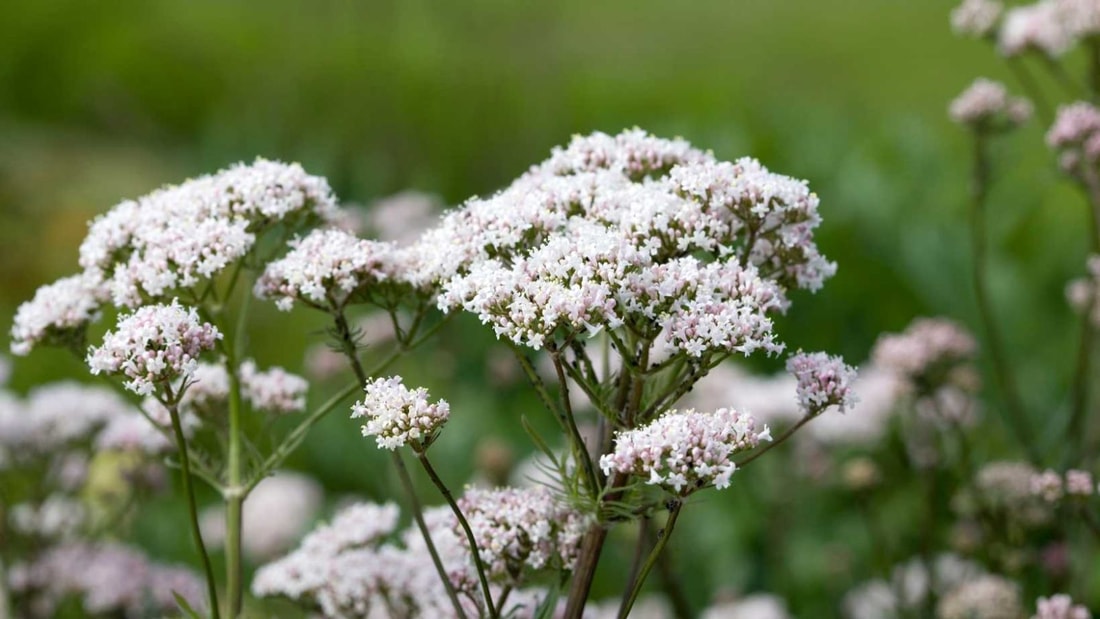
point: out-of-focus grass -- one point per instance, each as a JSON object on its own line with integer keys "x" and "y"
{"x": 101, "y": 101}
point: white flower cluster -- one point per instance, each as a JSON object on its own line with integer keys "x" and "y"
{"x": 1075, "y": 135}
{"x": 1052, "y": 486}
{"x": 123, "y": 583}
{"x": 312, "y": 570}
{"x": 56, "y": 417}
{"x": 181, "y": 235}
{"x": 926, "y": 344}
{"x": 404, "y": 216}
{"x": 397, "y": 415}
{"x": 1008, "y": 489}
{"x": 1084, "y": 293}
{"x": 57, "y": 517}
{"x": 325, "y": 269}
{"x": 976, "y": 18}
{"x": 153, "y": 346}
{"x": 1039, "y": 27}
{"x": 685, "y": 451}
{"x": 273, "y": 390}
{"x": 823, "y": 381}
{"x": 773, "y": 400}
{"x": 986, "y": 597}
{"x": 911, "y": 587}
{"x": 1049, "y": 27}
{"x": 986, "y": 104}
{"x": 522, "y": 529}
{"x": 357, "y": 567}
{"x": 135, "y": 433}
{"x": 58, "y": 313}
{"x": 630, "y": 229}
{"x": 145, "y": 250}
{"x": 1060, "y": 606}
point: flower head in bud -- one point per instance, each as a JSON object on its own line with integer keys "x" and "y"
{"x": 685, "y": 451}
{"x": 397, "y": 415}
{"x": 1079, "y": 483}
{"x": 153, "y": 346}
{"x": 1075, "y": 135}
{"x": 985, "y": 104}
{"x": 823, "y": 381}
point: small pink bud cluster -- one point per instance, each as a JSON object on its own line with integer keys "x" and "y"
{"x": 273, "y": 390}
{"x": 58, "y": 313}
{"x": 1047, "y": 485}
{"x": 1084, "y": 294}
{"x": 324, "y": 269}
{"x": 1060, "y": 606}
{"x": 985, "y": 104}
{"x": 823, "y": 381}
{"x": 1075, "y": 136}
{"x": 685, "y": 451}
{"x": 153, "y": 346}
{"x": 976, "y": 18}
{"x": 522, "y": 529}
{"x": 397, "y": 415}
{"x": 1051, "y": 486}
{"x": 925, "y": 344}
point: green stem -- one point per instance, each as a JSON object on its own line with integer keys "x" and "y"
{"x": 1027, "y": 82}
{"x": 1016, "y": 418}
{"x": 580, "y": 450}
{"x": 343, "y": 331}
{"x": 1076, "y": 431}
{"x": 446, "y": 492}
{"x": 5, "y": 598}
{"x": 662, "y": 539}
{"x": 779, "y": 441}
{"x": 298, "y": 434}
{"x": 235, "y": 494}
{"x": 636, "y": 561}
{"x": 192, "y": 508}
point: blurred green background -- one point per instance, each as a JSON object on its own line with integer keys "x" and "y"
{"x": 105, "y": 101}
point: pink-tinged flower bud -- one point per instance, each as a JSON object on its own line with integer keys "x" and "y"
{"x": 986, "y": 103}
{"x": 823, "y": 381}
{"x": 1060, "y": 606}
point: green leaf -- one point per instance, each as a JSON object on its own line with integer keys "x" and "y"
{"x": 185, "y": 606}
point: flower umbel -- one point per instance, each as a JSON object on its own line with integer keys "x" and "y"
{"x": 823, "y": 381}
{"x": 153, "y": 346}
{"x": 397, "y": 415}
{"x": 685, "y": 451}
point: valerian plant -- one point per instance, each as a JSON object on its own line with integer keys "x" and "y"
{"x": 635, "y": 264}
